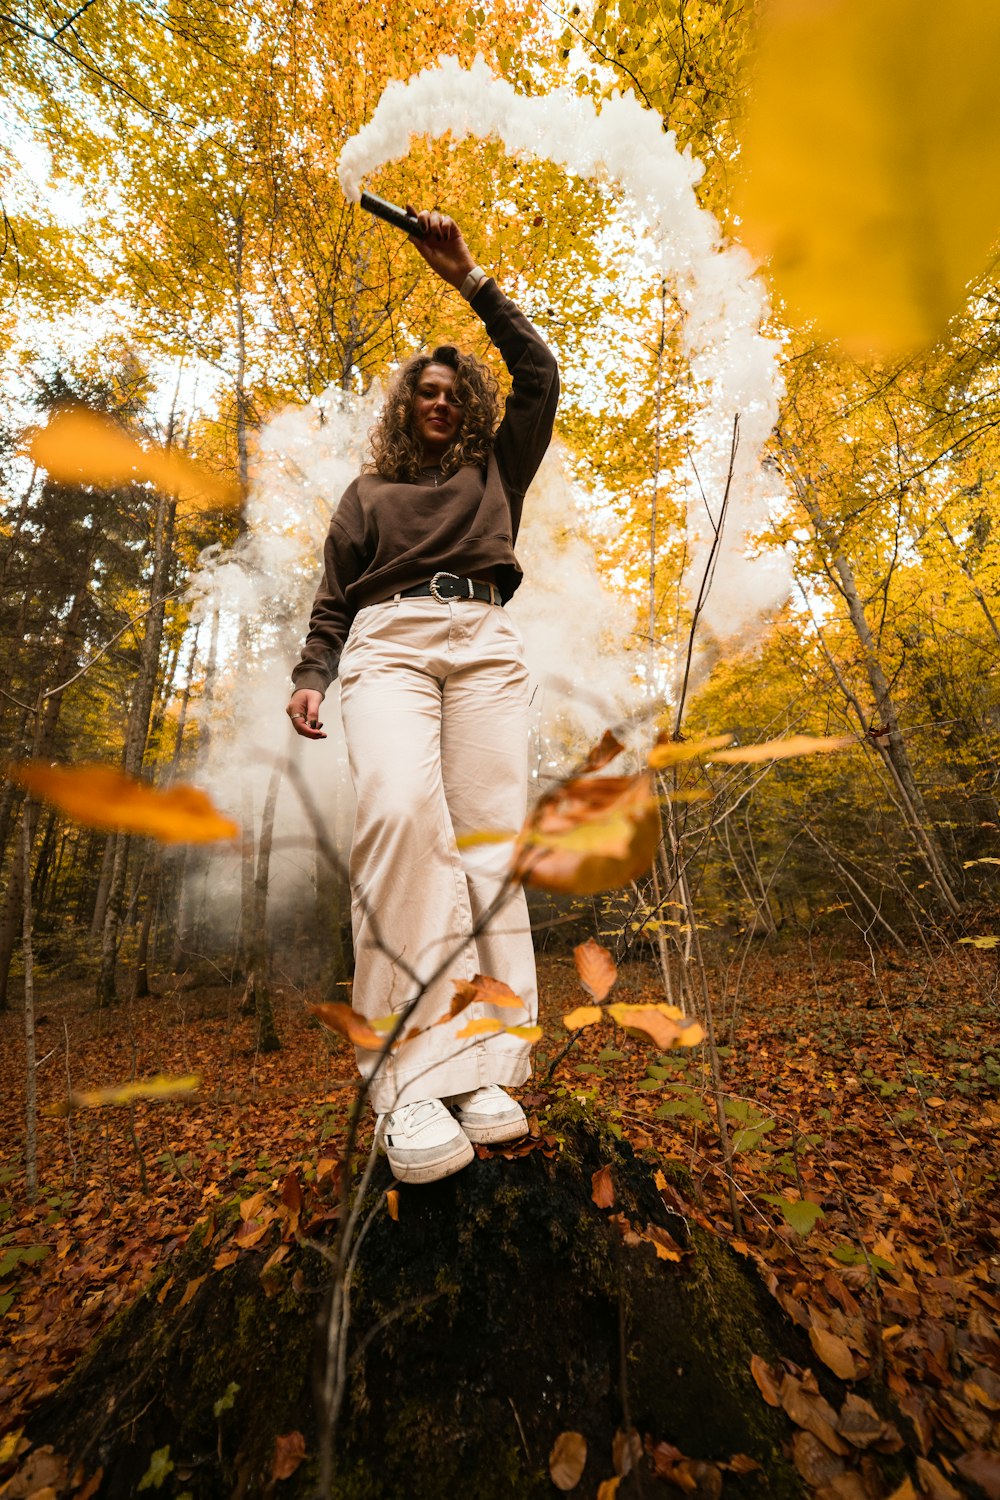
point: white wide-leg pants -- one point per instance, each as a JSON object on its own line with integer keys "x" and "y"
{"x": 434, "y": 699}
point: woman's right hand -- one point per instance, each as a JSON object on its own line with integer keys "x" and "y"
{"x": 303, "y": 710}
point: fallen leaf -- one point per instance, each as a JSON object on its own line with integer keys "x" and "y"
{"x": 602, "y": 1188}
{"x": 225, "y": 1258}
{"x": 568, "y": 1460}
{"x": 765, "y": 1381}
{"x": 392, "y": 1204}
{"x": 812, "y": 1412}
{"x": 933, "y": 1482}
{"x": 608, "y": 1489}
{"x": 626, "y": 1451}
{"x": 191, "y": 1290}
{"x": 289, "y": 1451}
{"x": 42, "y": 1468}
{"x": 596, "y": 969}
{"x": 813, "y": 1459}
{"x": 834, "y": 1353}
{"x": 861, "y": 1424}
{"x": 983, "y": 1468}
{"x": 104, "y": 797}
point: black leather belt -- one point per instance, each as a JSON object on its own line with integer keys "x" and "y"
{"x": 444, "y": 586}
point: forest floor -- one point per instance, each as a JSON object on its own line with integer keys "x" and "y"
{"x": 865, "y": 1086}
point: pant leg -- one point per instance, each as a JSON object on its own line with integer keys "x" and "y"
{"x": 484, "y": 760}
{"x": 410, "y": 890}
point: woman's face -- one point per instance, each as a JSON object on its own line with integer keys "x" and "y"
{"x": 437, "y": 412}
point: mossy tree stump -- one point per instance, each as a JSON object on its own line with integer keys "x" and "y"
{"x": 501, "y": 1309}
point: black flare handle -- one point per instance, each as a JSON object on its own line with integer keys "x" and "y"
{"x": 398, "y": 217}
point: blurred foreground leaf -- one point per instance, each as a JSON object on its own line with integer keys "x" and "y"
{"x": 104, "y": 797}
{"x": 80, "y": 446}
{"x": 163, "y": 1086}
{"x": 869, "y": 151}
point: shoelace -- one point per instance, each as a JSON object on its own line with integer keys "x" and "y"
{"x": 418, "y": 1115}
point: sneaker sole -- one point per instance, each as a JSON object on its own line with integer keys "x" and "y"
{"x": 433, "y": 1171}
{"x": 496, "y": 1131}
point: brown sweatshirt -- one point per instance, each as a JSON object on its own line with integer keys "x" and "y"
{"x": 387, "y": 535}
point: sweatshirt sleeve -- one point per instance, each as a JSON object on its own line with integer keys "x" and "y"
{"x": 343, "y": 562}
{"x": 526, "y": 429}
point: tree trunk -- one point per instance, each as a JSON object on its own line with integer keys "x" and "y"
{"x": 891, "y": 746}
{"x": 135, "y": 740}
{"x": 257, "y": 996}
{"x": 501, "y": 1310}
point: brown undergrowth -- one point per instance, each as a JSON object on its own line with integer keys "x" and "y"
{"x": 865, "y": 1088}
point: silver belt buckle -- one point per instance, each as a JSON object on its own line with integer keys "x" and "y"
{"x": 442, "y": 598}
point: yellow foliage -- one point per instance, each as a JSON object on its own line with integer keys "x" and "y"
{"x": 873, "y": 130}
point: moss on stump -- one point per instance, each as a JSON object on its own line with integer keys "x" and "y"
{"x": 502, "y": 1309}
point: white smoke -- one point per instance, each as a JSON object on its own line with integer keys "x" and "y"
{"x": 575, "y": 631}
{"x": 733, "y": 365}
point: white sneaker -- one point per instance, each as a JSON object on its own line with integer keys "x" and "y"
{"x": 488, "y": 1114}
{"x": 423, "y": 1141}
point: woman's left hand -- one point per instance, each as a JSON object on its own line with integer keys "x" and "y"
{"x": 442, "y": 246}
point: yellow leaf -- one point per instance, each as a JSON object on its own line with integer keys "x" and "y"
{"x": 530, "y": 1034}
{"x": 568, "y": 1460}
{"x": 667, "y": 752}
{"x": 79, "y": 446}
{"x": 484, "y": 836}
{"x": 103, "y": 797}
{"x": 871, "y": 132}
{"x": 392, "y": 1204}
{"x": 797, "y": 744}
{"x": 608, "y": 1488}
{"x": 162, "y": 1086}
{"x": 596, "y": 969}
{"x": 988, "y": 941}
{"x": 336, "y": 1016}
{"x": 9, "y": 1445}
{"x": 584, "y": 1015}
{"x": 481, "y": 1026}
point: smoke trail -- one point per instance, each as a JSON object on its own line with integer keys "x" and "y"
{"x": 734, "y": 366}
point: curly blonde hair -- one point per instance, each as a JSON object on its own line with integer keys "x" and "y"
{"x": 396, "y": 452}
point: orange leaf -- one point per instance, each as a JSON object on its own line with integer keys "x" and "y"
{"x": 79, "y": 446}
{"x": 190, "y": 1291}
{"x": 584, "y": 1015}
{"x": 657, "y": 1022}
{"x": 590, "y": 834}
{"x": 602, "y": 754}
{"x": 480, "y": 1026}
{"x": 596, "y": 969}
{"x": 766, "y": 1383}
{"x": 568, "y": 1460}
{"x": 834, "y": 1353}
{"x": 797, "y": 744}
{"x": 289, "y": 1451}
{"x": 225, "y": 1258}
{"x": 103, "y": 797}
{"x": 602, "y": 1188}
{"x": 608, "y": 1488}
{"x": 482, "y": 990}
{"x": 336, "y": 1016}
{"x": 392, "y": 1204}
{"x": 668, "y": 752}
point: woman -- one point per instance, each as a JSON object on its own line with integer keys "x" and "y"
{"x": 418, "y": 563}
